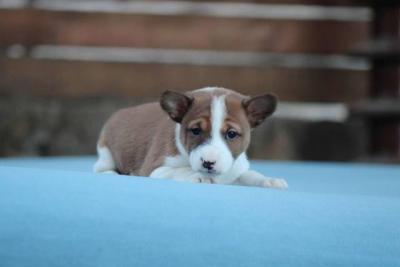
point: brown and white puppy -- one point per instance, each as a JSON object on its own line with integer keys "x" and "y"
{"x": 203, "y": 138}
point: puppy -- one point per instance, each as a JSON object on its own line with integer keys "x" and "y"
{"x": 199, "y": 136}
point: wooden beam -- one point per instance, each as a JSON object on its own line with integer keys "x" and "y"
{"x": 30, "y": 27}
{"x": 345, "y": 3}
{"x": 323, "y": 2}
{"x": 385, "y": 82}
{"x": 76, "y": 79}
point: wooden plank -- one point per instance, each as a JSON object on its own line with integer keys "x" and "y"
{"x": 75, "y": 79}
{"x": 321, "y": 2}
{"x": 385, "y": 135}
{"x": 30, "y": 27}
{"x": 384, "y": 138}
{"x": 348, "y": 3}
{"x": 189, "y": 57}
{"x": 384, "y": 50}
{"x": 208, "y": 9}
{"x": 383, "y": 108}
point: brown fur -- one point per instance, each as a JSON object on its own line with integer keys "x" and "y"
{"x": 140, "y": 138}
{"x": 237, "y": 119}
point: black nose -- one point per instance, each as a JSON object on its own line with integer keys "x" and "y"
{"x": 209, "y": 165}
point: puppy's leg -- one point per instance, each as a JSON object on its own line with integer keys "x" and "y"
{"x": 105, "y": 163}
{"x": 253, "y": 178}
{"x": 182, "y": 174}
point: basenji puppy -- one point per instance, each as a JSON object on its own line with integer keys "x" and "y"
{"x": 199, "y": 136}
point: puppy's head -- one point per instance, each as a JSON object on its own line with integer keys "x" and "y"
{"x": 215, "y": 124}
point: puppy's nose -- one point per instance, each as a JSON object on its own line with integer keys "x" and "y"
{"x": 209, "y": 165}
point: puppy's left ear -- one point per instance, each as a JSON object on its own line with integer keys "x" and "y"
{"x": 258, "y": 108}
{"x": 175, "y": 104}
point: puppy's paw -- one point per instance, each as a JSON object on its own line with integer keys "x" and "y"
{"x": 205, "y": 180}
{"x": 196, "y": 177}
{"x": 275, "y": 183}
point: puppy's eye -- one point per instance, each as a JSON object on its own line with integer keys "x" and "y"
{"x": 231, "y": 134}
{"x": 196, "y": 131}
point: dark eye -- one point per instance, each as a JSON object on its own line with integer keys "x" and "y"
{"x": 196, "y": 131}
{"x": 231, "y": 134}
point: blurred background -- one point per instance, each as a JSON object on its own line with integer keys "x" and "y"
{"x": 66, "y": 65}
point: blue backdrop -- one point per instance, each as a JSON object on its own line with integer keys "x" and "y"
{"x": 54, "y": 212}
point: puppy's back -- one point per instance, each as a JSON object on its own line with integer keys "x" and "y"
{"x": 136, "y": 137}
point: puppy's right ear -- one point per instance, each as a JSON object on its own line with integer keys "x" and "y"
{"x": 175, "y": 104}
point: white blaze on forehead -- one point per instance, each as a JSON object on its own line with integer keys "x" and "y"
{"x": 218, "y": 113}
{"x": 217, "y": 150}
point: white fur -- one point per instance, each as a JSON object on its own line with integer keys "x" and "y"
{"x": 253, "y": 178}
{"x": 215, "y": 150}
{"x": 206, "y": 89}
{"x": 105, "y": 163}
{"x": 177, "y": 161}
{"x": 182, "y": 174}
{"x": 178, "y": 168}
{"x": 240, "y": 165}
{"x": 178, "y": 142}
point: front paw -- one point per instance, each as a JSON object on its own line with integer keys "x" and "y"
{"x": 205, "y": 180}
{"x": 275, "y": 183}
{"x": 196, "y": 177}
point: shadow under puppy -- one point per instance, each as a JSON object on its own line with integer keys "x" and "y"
{"x": 203, "y": 138}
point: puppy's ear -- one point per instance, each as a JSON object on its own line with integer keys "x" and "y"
{"x": 259, "y": 107}
{"x": 175, "y": 104}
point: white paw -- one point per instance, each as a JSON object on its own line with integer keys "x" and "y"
{"x": 275, "y": 183}
{"x": 188, "y": 175}
{"x": 205, "y": 180}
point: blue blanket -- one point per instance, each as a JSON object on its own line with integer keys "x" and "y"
{"x": 55, "y": 212}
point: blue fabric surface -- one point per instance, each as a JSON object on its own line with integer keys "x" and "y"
{"x": 54, "y": 212}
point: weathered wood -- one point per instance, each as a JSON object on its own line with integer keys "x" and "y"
{"x": 387, "y": 109}
{"x": 30, "y": 27}
{"x": 385, "y": 82}
{"x": 51, "y": 78}
{"x": 384, "y": 138}
{"x": 384, "y": 51}
{"x": 322, "y": 2}
{"x": 305, "y": 2}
